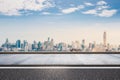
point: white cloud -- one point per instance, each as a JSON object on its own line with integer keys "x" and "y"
{"x": 102, "y": 13}
{"x": 69, "y": 10}
{"x": 36, "y": 5}
{"x": 9, "y": 7}
{"x": 88, "y": 4}
{"x": 101, "y": 3}
{"x": 13, "y": 7}
{"x": 92, "y": 11}
{"x": 102, "y": 7}
{"x": 101, "y": 10}
{"x": 107, "y": 13}
{"x": 19, "y": 7}
{"x": 72, "y": 9}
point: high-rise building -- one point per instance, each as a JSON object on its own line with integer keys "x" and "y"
{"x": 104, "y": 38}
{"x": 83, "y": 41}
{"x": 83, "y": 45}
{"x": 48, "y": 39}
{"x": 77, "y": 45}
{"x": 35, "y": 45}
{"x": 18, "y": 44}
{"x": 25, "y": 43}
{"x": 51, "y": 44}
{"x": 7, "y": 41}
{"x": 39, "y": 45}
{"x": 6, "y": 44}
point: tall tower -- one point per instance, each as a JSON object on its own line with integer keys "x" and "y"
{"x": 7, "y": 41}
{"x": 104, "y": 38}
{"x": 18, "y": 44}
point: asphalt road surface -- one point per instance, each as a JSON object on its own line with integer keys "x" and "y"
{"x": 59, "y": 74}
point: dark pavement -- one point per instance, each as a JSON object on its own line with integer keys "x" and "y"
{"x": 59, "y": 74}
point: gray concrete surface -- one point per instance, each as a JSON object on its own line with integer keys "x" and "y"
{"x": 59, "y": 59}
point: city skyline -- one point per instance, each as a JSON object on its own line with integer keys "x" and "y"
{"x": 101, "y": 39}
{"x": 64, "y": 20}
{"x": 51, "y": 45}
{"x": 104, "y": 42}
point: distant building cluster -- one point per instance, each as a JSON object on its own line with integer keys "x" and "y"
{"x": 49, "y": 45}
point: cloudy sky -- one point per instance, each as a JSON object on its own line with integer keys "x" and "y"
{"x": 63, "y": 20}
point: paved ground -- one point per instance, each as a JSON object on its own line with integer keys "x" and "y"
{"x": 59, "y": 59}
{"x": 59, "y": 74}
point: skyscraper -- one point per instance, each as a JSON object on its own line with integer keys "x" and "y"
{"x": 104, "y": 38}
{"x": 25, "y": 44}
{"x": 35, "y": 45}
{"x": 83, "y": 41}
{"x": 18, "y": 44}
{"x": 83, "y": 45}
{"x": 7, "y": 44}
{"x": 7, "y": 41}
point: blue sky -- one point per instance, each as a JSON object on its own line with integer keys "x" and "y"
{"x": 63, "y": 20}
